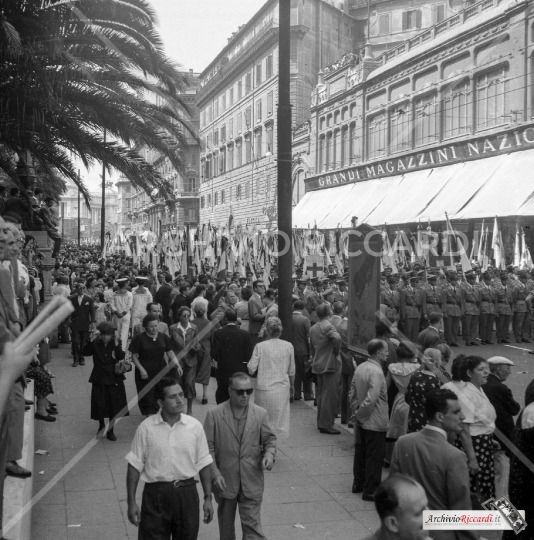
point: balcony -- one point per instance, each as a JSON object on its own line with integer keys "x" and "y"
{"x": 186, "y": 194}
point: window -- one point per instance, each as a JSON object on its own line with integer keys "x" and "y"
{"x": 248, "y": 149}
{"x": 440, "y": 13}
{"x": 247, "y": 190}
{"x": 208, "y": 169}
{"x": 231, "y": 96}
{"x": 222, "y": 161}
{"x": 248, "y": 83}
{"x": 320, "y": 154}
{"x": 190, "y": 214}
{"x": 384, "y": 27}
{"x": 209, "y": 200}
{"x": 222, "y": 196}
{"x": 210, "y": 114}
{"x": 426, "y": 119}
{"x": 223, "y": 134}
{"x": 491, "y": 104}
{"x": 269, "y": 66}
{"x": 230, "y": 158}
{"x": 269, "y": 132}
{"x": 411, "y": 19}
{"x": 258, "y": 140}
{"x": 208, "y": 141}
{"x": 223, "y": 99}
{"x": 258, "y": 74}
{"x": 328, "y": 152}
{"x": 216, "y": 138}
{"x": 203, "y": 118}
{"x": 456, "y": 109}
{"x": 258, "y": 110}
{"x": 238, "y": 193}
{"x": 190, "y": 184}
{"x": 376, "y": 135}
{"x": 335, "y": 149}
{"x": 202, "y": 202}
{"x": 344, "y": 146}
{"x": 239, "y": 122}
{"x": 248, "y": 114}
{"x": 239, "y": 89}
{"x": 216, "y": 108}
{"x": 215, "y": 164}
{"x": 239, "y": 157}
{"x": 400, "y": 128}
{"x": 216, "y": 199}
{"x": 270, "y": 103}
{"x": 231, "y": 128}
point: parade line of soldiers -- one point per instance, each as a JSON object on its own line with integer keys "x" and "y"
{"x": 471, "y": 304}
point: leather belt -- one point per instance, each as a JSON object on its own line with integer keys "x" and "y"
{"x": 183, "y": 483}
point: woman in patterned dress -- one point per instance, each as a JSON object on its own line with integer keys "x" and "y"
{"x": 420, "y": 385}
{"x": 274, "y": 360}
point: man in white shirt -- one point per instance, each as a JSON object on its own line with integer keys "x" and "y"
{"x": 169, "y": 449}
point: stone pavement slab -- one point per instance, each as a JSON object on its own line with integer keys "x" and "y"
{"x": 309, "y": 485}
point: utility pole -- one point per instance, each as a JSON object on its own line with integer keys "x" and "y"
{"x": 79, "y": 220}
{"x": 284, "y": 136}
{"x": 103, "y": 211}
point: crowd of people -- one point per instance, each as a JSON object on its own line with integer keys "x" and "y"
{"x": 440, "y": 423}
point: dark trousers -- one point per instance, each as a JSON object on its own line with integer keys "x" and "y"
{"x": 249, "y": 514}
{"x": 452, "y": 325}
{"x": 169, "y": 512}
{"x": 326, "y": 394}
{"x": 79, "y": 338}
{"x": 346, "y": 380}
{"x": 301, "y": 366}
{"x": 486, "y": 326}
{"x": 221, "y": 394}
{"x": 411, "y": 329}
{"x": 503, "y": 327}
{"x": 369, "y": 454}
{"x": 521, "y": 324}
{"x": 15, "y": 428}
{"x": 469, "y": 328}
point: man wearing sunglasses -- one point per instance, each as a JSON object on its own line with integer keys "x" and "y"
{"x": 242, "y": 445}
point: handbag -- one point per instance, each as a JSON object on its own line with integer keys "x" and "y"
{"x": 123, "y": 366}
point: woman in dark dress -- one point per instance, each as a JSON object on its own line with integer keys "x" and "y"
{"x": 148, "y": 354}
{"x": 421, "y": 383}
{"x": 108, "y": 395}
{"x": 521, "y": 484}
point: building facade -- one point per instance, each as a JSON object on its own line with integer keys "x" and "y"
{"x": 141, "y": 212}
{"x": 440, "y": 124}
{"x": 237, "y": 105}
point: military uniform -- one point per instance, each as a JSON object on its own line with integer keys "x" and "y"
{"x": 390, "y": 299}
{"x": 431, "y": 299}
{"x": 410, "y": 312}
{"x": 503, "y": 310}
{"x": 451, "y": 302}
{"x": 470, "y": 314}
{"x": 521, "y": 321}
{"x": 486, "y": 299}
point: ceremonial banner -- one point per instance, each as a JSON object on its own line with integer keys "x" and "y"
{"x": 314, "y": 266}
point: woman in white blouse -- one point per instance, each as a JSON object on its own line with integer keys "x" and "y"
{"x": 480, "y": 417}
{"x": 274, "y": 360}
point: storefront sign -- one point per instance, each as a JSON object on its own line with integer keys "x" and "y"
{"x": 479, "y": 148}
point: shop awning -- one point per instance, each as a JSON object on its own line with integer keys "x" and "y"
{"x": 494, "y": 186}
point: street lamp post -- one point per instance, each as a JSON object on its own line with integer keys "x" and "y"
{"x": 103, "y": 211}
{"x": 79, "y": 221}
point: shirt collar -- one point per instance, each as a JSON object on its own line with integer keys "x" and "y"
{"x": 158, "y": 419}
{"x": 184, "y": 330}
{"x": 435, "y": 428}
{"x": 433, "y": 328}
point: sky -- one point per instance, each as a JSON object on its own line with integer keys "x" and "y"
{"x": 193, "y": 32}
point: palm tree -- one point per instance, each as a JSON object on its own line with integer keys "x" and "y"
{"x": 87, "y": 79}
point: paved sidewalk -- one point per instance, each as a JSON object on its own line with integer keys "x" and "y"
{"x": 309, "y": 484}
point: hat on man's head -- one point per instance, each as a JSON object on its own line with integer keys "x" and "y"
{"x": 121, "y": 278}
{"x": 302, "y": 281}
{"x": 496, "y": 360}
{"x": 106, "y": 327}
{"x": 327, "y": 292}
{"x": 141, "y": 278}
{"x": 470, "y": 274}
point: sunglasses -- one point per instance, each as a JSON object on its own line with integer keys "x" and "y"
{"x": 247, "y": 391}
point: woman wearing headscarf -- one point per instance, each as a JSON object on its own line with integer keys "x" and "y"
{"x": 108, "y": 394}
{"x": 274, "y": 360}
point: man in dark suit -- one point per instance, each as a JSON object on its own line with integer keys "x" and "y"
{"x": 180, "y": 300}
{"x": 506, "y": 408}
{"x": 82, "y": 320}
{"x": 438, "y": 466}
{"x": 232, "y": 350}
{"x": 430, "y": 337}
{"x": 163, "y": 298}
{"x": 301, "y": 344}
{"x": 255, "y": 307}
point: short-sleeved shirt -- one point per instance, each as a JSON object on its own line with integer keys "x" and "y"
{"x": 151, "y": 349}
{"x": 164, "y": 453}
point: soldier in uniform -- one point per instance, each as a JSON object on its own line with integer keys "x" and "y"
{"x": 389, "y": 297}
{"x": 342, "y": 295}
{"x": 486, "y": 300}
{"x": 470, "y": 311}
{"x": 521, "y": 321}
{"x": 503, "y": 308}
{"x": 451, "y": 301}
{"x": 313, "y": 300}
{"x": 430, "y": 299}
{"x": 410, "y": 312}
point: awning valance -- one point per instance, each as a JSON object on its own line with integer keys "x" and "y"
{"x": 496, "y": 186}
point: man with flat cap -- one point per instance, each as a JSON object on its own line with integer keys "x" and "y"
{"x": 506, "y": 408}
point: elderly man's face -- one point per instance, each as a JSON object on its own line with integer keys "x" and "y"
{"x": 231, "y": 297}
{"x": 11, "y": 248}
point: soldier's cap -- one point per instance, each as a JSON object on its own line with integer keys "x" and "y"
{"x": 499, "y": 360}
{"x": 470, "y": 274}
{"x": 421, "y": 273}
{"x": 121, "y": 279}
{"x": 432, "y": 277}
{"x": 302, "y": 281}
{"x": 140, "y": 278}
{"x": 510, "y": 268}
{"x": 452, "y": 275}
{"x": 486, "y": 275}
{"x": 340, "y": 282}
{"x": 325, "y": 280}
{"x": 332, "y": 277}
{"x": 327, "y": 292}
{"x": 414, "y": 278}
{"x": 522, "y": 274}
{"x": 504, "y": 274}
{"x": 314, "y": 280}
